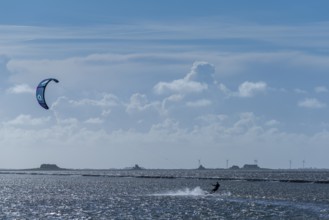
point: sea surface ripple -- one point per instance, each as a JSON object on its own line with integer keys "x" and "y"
{"x": 164, "y": 194}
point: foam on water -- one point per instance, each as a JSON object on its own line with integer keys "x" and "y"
{"x": 197, "y": 191}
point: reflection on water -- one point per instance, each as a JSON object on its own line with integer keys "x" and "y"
{"x": 162, "y": 194}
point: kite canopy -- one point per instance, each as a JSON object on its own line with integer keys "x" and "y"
{"x": 40, "y": 93}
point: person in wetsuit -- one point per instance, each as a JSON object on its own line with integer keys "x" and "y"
{"x": 216, "y": 187}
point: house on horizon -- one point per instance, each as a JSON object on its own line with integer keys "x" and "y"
{"x": 201, "y": 167}
{"x": 234, "y": 167}
{"x": 251, "y": 167}
{"x": 137, "y": 167}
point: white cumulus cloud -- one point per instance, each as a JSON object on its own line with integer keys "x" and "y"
{"x": 106, "y": 100}
{"x": 94, "y": 121}
{"x": 138, "y": 102}
{"x": 272, "y": 122}
{"x": 179, "y": 86}
{"x": 197, "y": 80}
{"x": 27, "y": 120}
{"x": 311, "y": 103}
{"x": 320, "y": 89}
{"x": 199, "y": 103}
{"x": 246, "y": 89}
{"x": 21, "y": 88}
{"x": 202, "y": 72}
{"x": 249, "y": 89}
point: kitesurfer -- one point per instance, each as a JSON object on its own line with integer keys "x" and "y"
{"x": 216, "y": 187}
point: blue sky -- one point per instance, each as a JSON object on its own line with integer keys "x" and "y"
{"x": 165, "y": 83}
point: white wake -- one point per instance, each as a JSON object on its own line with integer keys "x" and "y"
{"x": 197, "y": 191}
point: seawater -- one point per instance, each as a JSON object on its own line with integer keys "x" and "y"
{"x": 164, "y": 194}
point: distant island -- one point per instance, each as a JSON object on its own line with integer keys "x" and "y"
{"x": 245, "y": 167}
{"x": 137, "y": 167}
{"x": 49, "y": 167}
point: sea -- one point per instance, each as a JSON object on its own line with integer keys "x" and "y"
{"x": 164, "y": 194}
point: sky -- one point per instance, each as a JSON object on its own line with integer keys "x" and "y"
{"x": 165, "y": 84}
